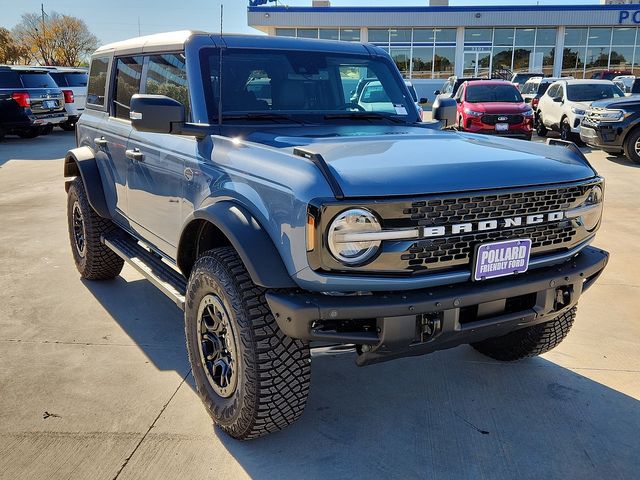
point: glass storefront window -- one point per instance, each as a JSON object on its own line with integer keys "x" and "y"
{"x": 502, "y": 57}
{"x": 422, "y": 62}
{"x": 423, "y": 35}
{"x": 307, "y": 33}
{"x": 546, "y": 36}
{"x": 624, "y": 36}
{"x": 547, "y": 54}
{"x": 521, "y": 59}
{"x": 443, "y": 62}
{"x": 350, "y": 34}
{"x": 525, "y": 37}
{"x": 478, "y": 34}
{"x": 444, "y": 35}
{"x": 329, "y": 34}
{"x": 285, "y": 32}
{"x": 597, "y": 58}
{"x": 402, "y": 58}
{"x": 503, "y": 37}
{"x": 599, "y": 37}
{"x": 400, "y": 35}
{"x": 621, "y": 58}
{"x": 575, "y": 37}
{"x": 573, "y": 61}
{"x": 379, "y": 35}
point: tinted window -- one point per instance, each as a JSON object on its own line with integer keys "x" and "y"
{"x": 126, "y": 85}
{"x": 544, "y": 86}
{"x": 59, "y": 79}
{"x": 37, "y": 80}
{"x": 591, "y": 92}
{"x": 77, "y": 79}
{"x": 97, "y": 81}
{"x": 9, "y": 79}
{"x": 167, "y": 75}
{"x": 492, "y": 93}
{"x": 553, "y": 91}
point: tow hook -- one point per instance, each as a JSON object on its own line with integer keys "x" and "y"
{"x": 430, "y": 326}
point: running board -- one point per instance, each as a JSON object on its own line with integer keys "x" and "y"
{"x": 168, "y": 280}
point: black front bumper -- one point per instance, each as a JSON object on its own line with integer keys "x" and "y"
{"x": 400, "y": 324}
{"x": 604, "y": 137}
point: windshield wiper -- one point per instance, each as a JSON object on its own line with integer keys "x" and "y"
{"x": 262, "y": 116}
{"x": 364, "y": 116}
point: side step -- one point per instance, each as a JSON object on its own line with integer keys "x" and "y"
{"x": 169, "y": 281}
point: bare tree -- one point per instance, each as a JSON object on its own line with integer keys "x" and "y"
{"x": 54, "y": 40}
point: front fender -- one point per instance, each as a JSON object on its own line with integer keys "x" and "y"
{"x": 81, "y": 162}
{"x": 250, "y": 240}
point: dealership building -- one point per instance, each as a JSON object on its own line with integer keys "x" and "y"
{"x": 437, "y": 40}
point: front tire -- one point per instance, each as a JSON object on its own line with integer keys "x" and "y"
{"x": 252, "y": 378}
{"x": 530, "y": 341}
{"x": 541, "y": 130}
{"x": 632, "y": 146}
{"x": 93, "y": 259}
{"x": 565, "y": 130}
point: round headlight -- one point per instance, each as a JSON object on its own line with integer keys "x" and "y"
{"x": 589, "y": 213}
{"x": 347, "y": 237}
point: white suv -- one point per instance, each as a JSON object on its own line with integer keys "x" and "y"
{"x": 73, "y": 83}
{"x": 564, "y": 104}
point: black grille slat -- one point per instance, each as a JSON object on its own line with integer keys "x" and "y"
{"x": 511, "y": 119}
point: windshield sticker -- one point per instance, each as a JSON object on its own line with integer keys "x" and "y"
{"x": 400, "y": 110}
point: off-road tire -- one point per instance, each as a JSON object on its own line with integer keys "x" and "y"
{"x": 541, "y": 130}
{"x": 629, "y": 146}
{"x": 273, "y": 370}
{"x": 530, "y": 341}
{"x": 98, "y": 262}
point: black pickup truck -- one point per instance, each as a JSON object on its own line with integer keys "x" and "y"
{"x": 614, "y": 125}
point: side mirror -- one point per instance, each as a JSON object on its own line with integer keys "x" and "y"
{"x": 436, "y": 92}
{"x": 162, "y": 114}
{"x": 527, "y": 100}
{"x": 423, "y": 100}
{"x": 558, "y": 99}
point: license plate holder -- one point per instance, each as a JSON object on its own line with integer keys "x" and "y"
{"x": 499, "y": 259}
{"x": 50, "y": 104}
{"x": 502, "y": 127}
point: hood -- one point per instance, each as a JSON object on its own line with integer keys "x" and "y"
{"x": 498, "y": 107}
{"x": 408, "y": 161}
{"x": 626, "y": 102}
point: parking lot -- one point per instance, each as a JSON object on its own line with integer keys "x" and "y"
{"x": 95, "y": 381}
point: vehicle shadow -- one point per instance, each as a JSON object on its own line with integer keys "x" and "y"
{"x": 622, "y": 160}
{"x": 452, "y": 414}
{"x": 45, "y": 147}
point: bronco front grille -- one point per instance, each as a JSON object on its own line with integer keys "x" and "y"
{"x": 456, "y": 250}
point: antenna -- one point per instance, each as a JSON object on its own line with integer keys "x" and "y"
{"x": 220, "y": 68}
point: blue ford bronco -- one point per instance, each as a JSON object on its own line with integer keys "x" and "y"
{"x": 240, "y": 177}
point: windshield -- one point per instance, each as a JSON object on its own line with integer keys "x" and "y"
{"x": 259, "y": 85}
{"x": 529, "y": 88}
{"x": 37, "y": 80}
{"x": 70, "y": 79}
{"x": 589, "y": 92}
{"x": 493, "y": 93}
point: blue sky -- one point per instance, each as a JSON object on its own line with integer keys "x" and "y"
{"x": 112, "y": 20}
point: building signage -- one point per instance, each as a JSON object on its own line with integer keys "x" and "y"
{"x": 629, "y": 16}
{"x": 255, "y": 3}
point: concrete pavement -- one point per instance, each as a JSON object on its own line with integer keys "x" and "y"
{"x": 94, "y": 377}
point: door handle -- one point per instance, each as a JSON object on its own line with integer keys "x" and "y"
{"x": 134, "y": 154}
{"x": 100, "y": 141}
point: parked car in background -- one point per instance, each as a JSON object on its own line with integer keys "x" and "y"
{"x": 614, "y": 126}
{"x": 39, "y": 102}
{"x": 451, "y": 86}
{"x": 520, "y": 78}
{"x": 73, "y": 82}
{"x": 533, "y": 90}
{"x": 493, "y": 107}
{"x": 609, "y": 74}
{"x": 368, "y": 87}
{"x": 565, "y": 103}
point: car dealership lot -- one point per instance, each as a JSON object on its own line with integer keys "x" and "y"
{"x": 94, "y": 377}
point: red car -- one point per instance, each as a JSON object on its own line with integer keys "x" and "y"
{"x": 494, "y": 107}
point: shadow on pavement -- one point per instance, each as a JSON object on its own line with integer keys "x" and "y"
{"x": 453, "y": 414}
{"x": 622, "y": 160}
{"x": 45, "y": 147}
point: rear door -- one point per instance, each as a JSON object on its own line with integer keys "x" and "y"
{"x": 157, "y": 161}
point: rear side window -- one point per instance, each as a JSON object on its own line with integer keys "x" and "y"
{"x": 126, "y": 85}
{"x": 97, "y": 81}
{"x": 9, "y": 79}
{"x": 167, "y": 75}
{"x": 37, "y": 80}
{"x": 76, "y": 79}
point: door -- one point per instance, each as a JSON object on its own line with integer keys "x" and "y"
{"x": 157, "y": 168}
{"x": 477, "y": 64}
{"x": 554, "y": 106}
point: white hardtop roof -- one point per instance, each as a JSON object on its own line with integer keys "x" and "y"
{"x": 150, "y": 42}
{"x": 586, "y": 80}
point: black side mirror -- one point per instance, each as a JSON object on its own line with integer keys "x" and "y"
{"x": 436, "y": 92}
{"x": 162, "y": 114}
{"x": 558, "y": 99}
{"x": 423, "y": 100}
